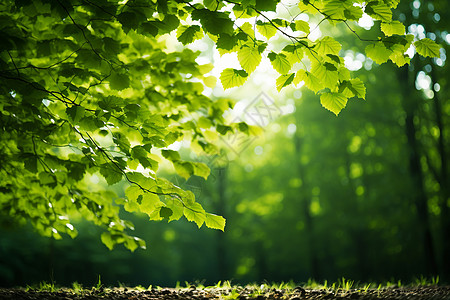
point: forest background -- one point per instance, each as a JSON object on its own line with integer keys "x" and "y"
{"x": 363, "y": 195}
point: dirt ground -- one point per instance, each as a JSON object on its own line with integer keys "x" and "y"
{"x": 299, "y": 293}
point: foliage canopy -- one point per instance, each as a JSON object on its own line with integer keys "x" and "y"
{"x": 90, "y": 87}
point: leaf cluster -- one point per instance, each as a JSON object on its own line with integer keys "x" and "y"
{"x": 89, "y": 88}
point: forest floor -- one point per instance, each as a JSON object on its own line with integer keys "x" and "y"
{"x": 237, "y": 293}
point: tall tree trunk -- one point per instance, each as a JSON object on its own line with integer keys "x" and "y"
{"x": 359, "y": 231}
{"x": 306, "y": 204}
{"x": 444, "y": 184}
{"x": 220, "y": 209}
{"x": 409, "y": 104}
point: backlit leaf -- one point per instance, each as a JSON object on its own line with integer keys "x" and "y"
{"x": 233, "y": 78}
{"x": 326, "y": 73}
{"x": 358, "y": 88}
{"x": 293, "y": 53}
{"x": 118, "y": 81}
{"x": 165, "y": 212}
{"x": 378, "y": 52}
{"x": 184, "y": 168}
{"x": 280, "y": 62}
{"x": 334, "y": 102}
{"x": 195, "y": 213}
{"x": 249, "y": 58}
{"x": 400, "y": 59}
{"x": 188, "y": 34}
{"x": 201, "y": 169}
{"x": 215, "y": 221}
{"x": 266, "y": 29}
{"x": 107, "y": 240}
{"x": 150, "y": 202}
{"x": 311, "y": 82}
{"x": 379, "y": 11}
{"x": 133, "y": 192}
{"x": 394, "y": 27}
{"x": 328, "y": 45}
{"x": 213, "y": 22}
{"x": 177, "y": 209}
{"x": 427, "y": 47}
{"x": 284, "y": 80}
{"x": 301, "y": 25}
{"x": 111, "y": 173}
{"x": 210, "y": 81}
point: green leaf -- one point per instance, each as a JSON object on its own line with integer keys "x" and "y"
{"x": 165, "y": 212}
{"x": 132, "y": 243}
{"x": 353, "y": 12}
{"x": 379, "y": 11}
{"x": 353, "y": 88}
{"x": 108, "y": 240}
{"x": 358, "y": 88}
{"x": 400, "y": 59}
{"x": 167, "y": 25}
{"x": 334, "y": 9}
{"x": 212, "y": 4}
{"x": 184, "y": 168}
{"x": 293, "y": 53}
{"x": 118, "y": 81}
{"x": 47, "y": 179}
{"x": 150, "y": 202}
{"x": 142, "y": 155}
{"x": 394, "y": 27}
{"x": 279, "y": 62}
{"x": 378, "y": 52}
{"x": 31, "y": 163}
{"x": 233, "y": 78}
{"x": 214, "y": 22}
{"x": 334, "y": 102}
{"x": 177, "y": 209}
{"x": 266, "y": 5}
{"x": 284, "y": 80}
{"x": 226, "y": 41}
{"x": 249, "y": 58}
{"x": 215, "y": 221}
{"x": 301, "y": 25}
{"x": 210, "y": 81}
{"x": 133, "y": 192}
{"x": 144, "y": 181}
{"x": 327, "y": 45}
{"x": 246, "y": 30}
{"x": 148, "y": 29}
{"x": 201, "y": 170}
{"x": 121, "y": 141}
{"x": 311, "y": 82}
{"x": 266, "y": 29}
{"x": 76, "y": 113}
{"x": 392, "y": 3}
{"x": 427, "y": 47}
{"x": 110, "y": 173}
{"x": 188, "y": 34}
{"x": 326, "y": 73}
{"x": 130, "y": 20}
{"x": 195, "y": 213}
{"x": 171, "y": 155}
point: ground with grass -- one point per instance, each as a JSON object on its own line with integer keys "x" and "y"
{"x": 345, "y": 291}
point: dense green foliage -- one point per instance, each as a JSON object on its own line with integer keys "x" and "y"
{"x": 92, "y": 88}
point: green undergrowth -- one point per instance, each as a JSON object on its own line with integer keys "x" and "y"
{"x": 229, "y": 291}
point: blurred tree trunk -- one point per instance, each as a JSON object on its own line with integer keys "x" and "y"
{"x": 305, "y": 200}
{"x": 220, "y": 209}
{"x": 260, "y": 260}
{"x": 442, "y": 178}
{"x": 359, "y": 230}
{"x": 410, "y": 106}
